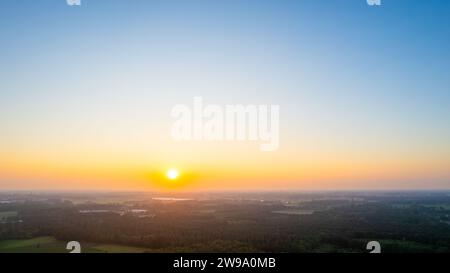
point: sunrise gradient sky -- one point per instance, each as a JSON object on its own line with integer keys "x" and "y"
{"x": 86, "y": 93}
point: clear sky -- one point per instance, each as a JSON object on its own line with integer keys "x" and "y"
{"x": 86, "y": 93}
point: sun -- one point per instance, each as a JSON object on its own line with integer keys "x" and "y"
{"x": 172, "y": 174}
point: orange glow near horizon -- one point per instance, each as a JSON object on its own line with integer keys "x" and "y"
{"x": 261, "y": 172}
{"x": 143, "y": 165}
{"x": 114, "y": 107}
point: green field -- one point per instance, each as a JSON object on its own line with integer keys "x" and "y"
{"x": 4, "y": 215}
{"x": 51, "y": 245}
{"x": 439, "y": 206}
{"x": 35, "y": 245}
{"x": 118, "y": 249}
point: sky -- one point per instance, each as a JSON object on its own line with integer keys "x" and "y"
{"x": 86, "y": 93}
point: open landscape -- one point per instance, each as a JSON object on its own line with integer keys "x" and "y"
{"x": 324, "y": 222}
{"x": 224, "y": 134}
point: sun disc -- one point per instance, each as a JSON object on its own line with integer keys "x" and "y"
{"x": 172, "y": 174}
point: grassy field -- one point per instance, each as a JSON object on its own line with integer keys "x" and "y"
{"x": 119, "y": 249}
{"x": 35, "y": 245}
{"x": 5, "y": 214}
{"x": 294, "y": 212}
{"x": 439, "y": 206}
{"x": 52, "y": 245}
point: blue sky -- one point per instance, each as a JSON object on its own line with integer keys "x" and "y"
{"x": 347, "y": 76}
